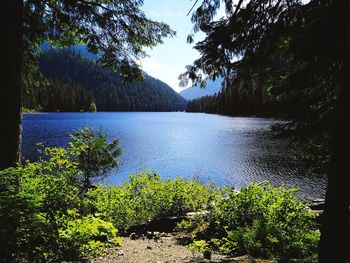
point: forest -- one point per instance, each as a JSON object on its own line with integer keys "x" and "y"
{"x": 74, "y": 83}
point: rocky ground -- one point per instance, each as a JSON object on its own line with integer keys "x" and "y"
{"x": 161, "y": 248}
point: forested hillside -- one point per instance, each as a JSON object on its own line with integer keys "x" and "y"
{"x": 74, "y": 83}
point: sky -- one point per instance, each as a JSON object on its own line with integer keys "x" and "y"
{"x": 168, "y": 60}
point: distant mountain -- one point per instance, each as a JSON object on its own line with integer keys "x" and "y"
{"x": 197, "y": 92}
{"x": 81, "y": 78}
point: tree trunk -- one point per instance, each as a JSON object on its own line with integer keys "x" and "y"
{"x": 335, "y": 231}
{"x": 10, "y": 106}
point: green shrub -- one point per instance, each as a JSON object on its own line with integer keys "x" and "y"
{"x": 111, "y": 204}
{"x": 188, "y": 195}
{"x": 153, "y": 198}
{"x": 88, "y": 236}
{"x": 10, "y": 201}
{"x": 41, "y": 199}
{"x": 45, "y": 190}
{"x": 260, "y": 220}
{"x": 145, "y": 197}
{"x": 200, "y": 245}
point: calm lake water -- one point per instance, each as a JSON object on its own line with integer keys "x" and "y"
{"x": 226, "y": 150}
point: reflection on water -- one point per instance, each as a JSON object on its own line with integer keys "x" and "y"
{"x": 226, "y": 150}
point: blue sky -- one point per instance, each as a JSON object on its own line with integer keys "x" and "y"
{"x": 168, "y": 60}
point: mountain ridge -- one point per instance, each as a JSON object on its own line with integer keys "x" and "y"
{"x": 196, "y": 92}
{"x": 80, "y": 77}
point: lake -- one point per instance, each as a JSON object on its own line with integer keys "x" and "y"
{"x": 230, "y": 151}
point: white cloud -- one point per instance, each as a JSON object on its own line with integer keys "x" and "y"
{"x": 165, "y": 73}
{"x": 151, "y": 66}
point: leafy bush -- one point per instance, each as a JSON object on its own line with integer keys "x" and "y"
{"x": 260, "y": 220}
{"x": 89, "y": 236}
{"x": 55, "y": 222}
{"x": 200, "y": 245}
{"x": 145, "y": 197}
{"x": 36, "y": 204}
{"x": 111, "y": 204}
{"x": 153, "y": 198}
{"x": 41, "y": 193}
{"x": 9, "y": 214}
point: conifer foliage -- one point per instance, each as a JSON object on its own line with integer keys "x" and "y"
{"x": 76, "y": 82}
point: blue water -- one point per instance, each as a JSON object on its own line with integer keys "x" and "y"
{"x": 226, "y": 150}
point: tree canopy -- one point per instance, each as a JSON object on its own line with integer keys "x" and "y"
{"x": 299, "y": 54}
{"x": 116, "y": 30}
{"x": 295, "y": 51}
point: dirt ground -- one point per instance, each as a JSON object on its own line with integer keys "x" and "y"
{"x": 163, "y": 249}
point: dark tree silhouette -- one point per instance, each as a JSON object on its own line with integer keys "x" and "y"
{"x": 304, "y": 48}
{"x": 11, "y": 84}
{"x": 116, "y": 30}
